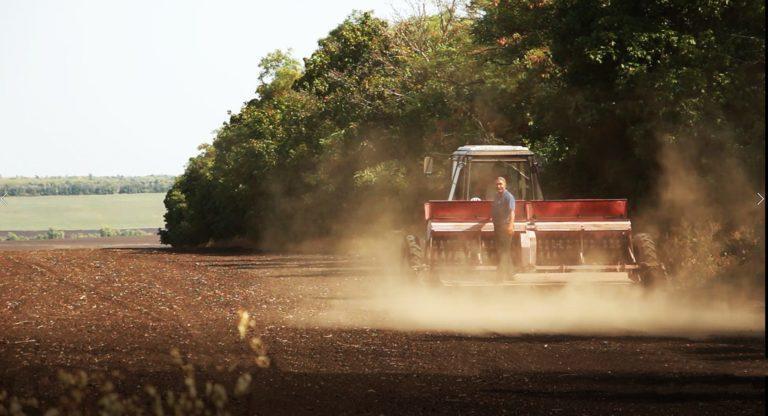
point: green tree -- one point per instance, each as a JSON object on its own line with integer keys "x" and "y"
{"x": 631, "y": 77}
{"x": 597, "y": 88}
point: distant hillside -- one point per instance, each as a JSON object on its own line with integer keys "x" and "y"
{"x": 85, "y": 185}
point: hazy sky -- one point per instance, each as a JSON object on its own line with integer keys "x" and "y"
{"x": 133, "y": 87}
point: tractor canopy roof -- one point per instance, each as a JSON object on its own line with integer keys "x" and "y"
{"x": 492, "y": 150}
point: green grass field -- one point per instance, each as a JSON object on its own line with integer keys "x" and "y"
{"x": 82, "y": 212}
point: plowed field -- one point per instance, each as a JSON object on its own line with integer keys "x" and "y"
{"x": 334, "y": 348}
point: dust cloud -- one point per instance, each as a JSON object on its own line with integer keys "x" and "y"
{"x": 570, "y": 309}
{"x": 711, "y": 245}
{"x": 704, "y": 215}
{"x": 388, "y": 300}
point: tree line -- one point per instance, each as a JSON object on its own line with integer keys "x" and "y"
{"x": 613, "y": 95}
{"x": 85, "y": 185}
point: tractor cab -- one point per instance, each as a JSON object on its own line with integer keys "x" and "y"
{"x": 474, "y": 170}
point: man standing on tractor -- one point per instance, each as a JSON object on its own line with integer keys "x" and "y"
{"x": 503, "y": 216}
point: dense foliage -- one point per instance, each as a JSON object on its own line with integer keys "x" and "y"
{"x": 601, "y": 89}
{"x": 631, "y": 77}
{"x": 85, "y": 185}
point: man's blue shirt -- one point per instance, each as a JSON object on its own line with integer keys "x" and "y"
{"x": 503, "y": 205}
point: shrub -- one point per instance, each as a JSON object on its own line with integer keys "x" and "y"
{"x": 15, "y": 237}
{"x": 51, "y": 234}
{"x": 108, "y": 232}
{"x": 112, "y": 232}
{"x": 54, "y": 234}
{"x": 132, "y": 233}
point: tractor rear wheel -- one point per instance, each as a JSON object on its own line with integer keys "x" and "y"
{"x": 651, "y": 272}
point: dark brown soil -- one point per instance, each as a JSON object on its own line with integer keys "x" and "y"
{"x": 124, "y": 309}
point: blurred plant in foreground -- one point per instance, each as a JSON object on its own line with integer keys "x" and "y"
{"x": 89, "y": 394}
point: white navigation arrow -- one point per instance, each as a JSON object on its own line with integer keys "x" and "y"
{"x": 762, "y": 198}
{"x": 2, "y": 198}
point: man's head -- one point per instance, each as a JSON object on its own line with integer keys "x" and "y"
{"x": 501, "y": 184}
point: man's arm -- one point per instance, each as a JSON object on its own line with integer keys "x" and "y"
{"x": 511, "y": 228}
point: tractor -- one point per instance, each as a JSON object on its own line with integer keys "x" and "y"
{"x": 554, "y": 241}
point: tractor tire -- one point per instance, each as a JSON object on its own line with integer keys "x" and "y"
{"x": 651, "y": 273}
{"x": 412, "y": 258}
